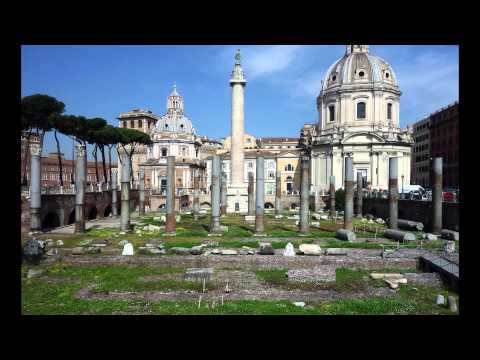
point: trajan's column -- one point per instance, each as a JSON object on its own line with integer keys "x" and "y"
{"x": 237, "y": 190}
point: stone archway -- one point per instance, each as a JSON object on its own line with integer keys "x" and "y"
{"x": 269, "y": 205}
{"x": 92, "y": 213}
{"x": 71, "y": 217}
{"x": 107, "y": 211}
{"x": 50, "y": 221}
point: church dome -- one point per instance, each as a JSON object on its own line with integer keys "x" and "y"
{"x": 174, "y": 120}
{"x": 359, "y": 67}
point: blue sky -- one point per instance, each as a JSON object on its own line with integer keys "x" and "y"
{"x": 283, "y": 82}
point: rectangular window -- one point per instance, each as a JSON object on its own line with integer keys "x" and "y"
{"x": 331, "y": 110}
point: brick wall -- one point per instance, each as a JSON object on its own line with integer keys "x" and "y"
{"x": 415, "y": 210}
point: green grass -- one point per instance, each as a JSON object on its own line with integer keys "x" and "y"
{"x": 106, "y": 232}
{"x": 42, "y": 296}
{"x": 351, "y": 245}
{"x": 346, "y": 280}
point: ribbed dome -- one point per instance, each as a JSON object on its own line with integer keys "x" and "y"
{"x": 174, "y": 123}
{"x": 174, "y": 120}
{"x": 357, "y": 66}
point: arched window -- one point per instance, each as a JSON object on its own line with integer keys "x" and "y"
{"x": 361, "y": 110}
{"x": 331, "y": 110}
{"x": 389, "y": 111}
{"x": 289, "y": 178}
{"x": 289, "y": 167}
{"x": 164, "y": 151}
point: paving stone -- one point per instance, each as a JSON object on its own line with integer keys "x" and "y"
{"x": 318, "y": 274}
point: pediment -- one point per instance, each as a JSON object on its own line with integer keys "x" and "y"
{"x": 363, "y": 138}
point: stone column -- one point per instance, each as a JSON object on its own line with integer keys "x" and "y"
{"x": 359, "y": 194}
{"x": 215, "y": 195}
{"x": 80, "y": 183}
{"x": 348, "y": 212}
{"x": 114, "y": 193}
{"x": 332, "y": 196}
{"x": 35, "y": 188}
{"x": 305, "y": 195}
{"x": 251, "y": 201}
{"x": 125, "y": 193}
{"x": 170, "y": 225}
{"x": 278, "y": 192}
{"x": 393, "y": 192}
{"x": 436, "y": 167}
{"x": 223, "y": 195}
{"x": 260, "y": 196}
{"x": 141, "y": 190}
{"x": 238, "y": 83}
{"x": 196, "y": 198}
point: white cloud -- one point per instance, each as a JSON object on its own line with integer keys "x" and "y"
{"x": 263, "y": 60}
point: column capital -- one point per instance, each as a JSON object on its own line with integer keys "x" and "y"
{"x": 80, "y": 150}
{"x": 35, "y": 149}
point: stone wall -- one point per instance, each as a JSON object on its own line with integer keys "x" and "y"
{"x": 415, "y": 210}
{"x": 59, "y": 209}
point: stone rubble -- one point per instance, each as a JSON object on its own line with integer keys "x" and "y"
{"x": 299, "y": 304}
{"x": 127, "y": 250}
{"x": 440, "y": 300}
{"x": 245, "y": 250}
{"x": 78, "y": 251}
{"x": 452, "y": 304}
{"x": 228, "y": 252}
{"x": 34, "y": 273}
{"x": 289, "y": 250}
{"x": 266, "y": 249}
{"x": 180, "y": 250}
{"x": 310, "y": 249}
{"x": 122, "y": 243}
{"x": 336, "y": 251}
{"x": 52, "y": 252}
